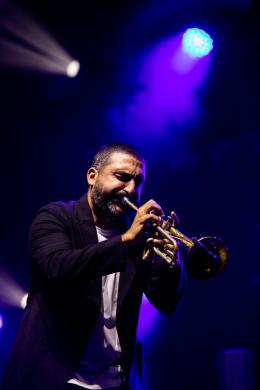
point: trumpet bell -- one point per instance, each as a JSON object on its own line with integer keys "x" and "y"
{"x": 207, "y": 257}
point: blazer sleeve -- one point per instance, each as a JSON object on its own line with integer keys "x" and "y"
{"x": 164, "y": 286}
{"x": 53, "y": 254}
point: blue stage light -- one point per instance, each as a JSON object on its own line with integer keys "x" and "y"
{"x": 196, "y": 42}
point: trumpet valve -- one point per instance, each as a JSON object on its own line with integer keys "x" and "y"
{"x": 166, "y": 223}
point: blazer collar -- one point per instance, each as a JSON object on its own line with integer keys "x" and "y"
{"x": 83, "y": 212}
{"x": 86, "y": 222}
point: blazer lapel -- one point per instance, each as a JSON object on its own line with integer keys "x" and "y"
{"x": 88, "y": 236}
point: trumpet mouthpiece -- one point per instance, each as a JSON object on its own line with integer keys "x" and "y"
{"x": 128, "y": 202}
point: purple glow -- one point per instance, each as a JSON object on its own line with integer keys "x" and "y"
{"x": 1, "y": 322}
{"x": 170, "y": 81}
{"x": 148, "y": 316}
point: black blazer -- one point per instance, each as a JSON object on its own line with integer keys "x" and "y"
{"x": 66, "y": 268}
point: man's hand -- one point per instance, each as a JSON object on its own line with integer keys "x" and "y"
{"x": 149, "y": 212}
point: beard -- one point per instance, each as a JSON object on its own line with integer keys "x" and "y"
{"x": 110, "y": 204}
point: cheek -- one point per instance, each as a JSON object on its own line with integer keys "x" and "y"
{"x": 113, "y": 184}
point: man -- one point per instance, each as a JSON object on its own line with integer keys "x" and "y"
{"x": 87, "y": 280}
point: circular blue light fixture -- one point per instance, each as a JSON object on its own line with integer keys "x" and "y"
{"x": 196, "y": 42}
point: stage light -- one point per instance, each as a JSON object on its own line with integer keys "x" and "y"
{"x": 23, "y": 301}
{"x": 1, "y": 322}
{"x": 73, "y": 68}
{"x": 11, "y": 292}
{"x": 196, "y": 42}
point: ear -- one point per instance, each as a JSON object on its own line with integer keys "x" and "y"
{"x": 92, "y": 174}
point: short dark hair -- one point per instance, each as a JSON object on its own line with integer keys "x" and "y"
{"x": 104, "y": 154}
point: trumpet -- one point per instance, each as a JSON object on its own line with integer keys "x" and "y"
{"x": 205, "y": 257}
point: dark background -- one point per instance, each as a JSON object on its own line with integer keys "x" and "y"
{"x": 208, "y": 171}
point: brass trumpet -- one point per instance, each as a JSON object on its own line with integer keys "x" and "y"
{"x": 206, "y": 255}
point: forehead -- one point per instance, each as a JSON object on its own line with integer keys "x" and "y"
{"x": 125, "y": 161}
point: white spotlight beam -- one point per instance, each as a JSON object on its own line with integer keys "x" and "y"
{"x": 17, "y": 56}
{"x": 38, "y": 49}
{"x": 25, "y": 28}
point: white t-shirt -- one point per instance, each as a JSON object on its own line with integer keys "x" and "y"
{"x": 99, "y": 367}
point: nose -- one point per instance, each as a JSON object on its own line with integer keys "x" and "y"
{"x": 130, "y": 187}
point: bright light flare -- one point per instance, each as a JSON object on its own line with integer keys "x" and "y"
{"x": 11, "y": 293}
{"x": 1, "y": 322}
{"x": 73, "y": 68}
{"x": 196, "y": 42}
{"x": 33, "y": 48}
{"x": 23, "y": 301}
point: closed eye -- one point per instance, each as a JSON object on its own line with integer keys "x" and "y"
{"x": 124, "y": 177}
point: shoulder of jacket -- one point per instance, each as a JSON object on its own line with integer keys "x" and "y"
{"x": 59, "y": 208}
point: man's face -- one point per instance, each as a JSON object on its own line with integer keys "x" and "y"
{"x": 122, "y": 176}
